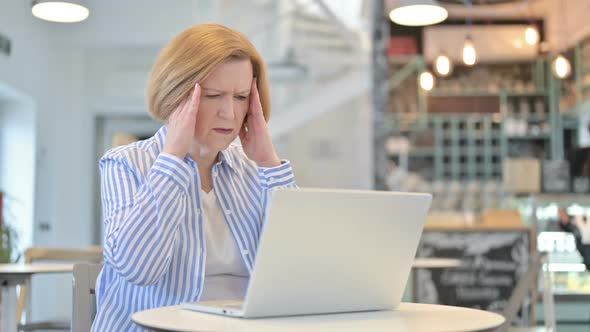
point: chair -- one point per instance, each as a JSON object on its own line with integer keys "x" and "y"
{"x": 83, "y": 301}
{"x": 38, "y": 254}
{"x": 528, "y": 282}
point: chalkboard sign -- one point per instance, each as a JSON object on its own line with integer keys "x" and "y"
{"x": 556, "y": 176}
{"x": 491, "y": 265}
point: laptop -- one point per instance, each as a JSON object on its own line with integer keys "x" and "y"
{"x": 330, "y": 251}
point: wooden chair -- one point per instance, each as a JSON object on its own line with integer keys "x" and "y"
{"x": 83, "y": 296}
{"x": 43, "y": 254}
{"x": 526, "y": 284}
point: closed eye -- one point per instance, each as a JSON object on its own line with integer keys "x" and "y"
{"x": 241, "y": 98}
{"x": 212, "y": 96}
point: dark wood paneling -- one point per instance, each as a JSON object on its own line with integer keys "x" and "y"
{"x": 462, "y": 104}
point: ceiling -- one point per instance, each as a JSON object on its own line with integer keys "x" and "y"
{"x": 480, "y": 2}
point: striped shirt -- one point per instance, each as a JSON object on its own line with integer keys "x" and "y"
{"x": 154, "y": 245}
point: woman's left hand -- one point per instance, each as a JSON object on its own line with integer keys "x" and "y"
{"x": 255, "y": 136}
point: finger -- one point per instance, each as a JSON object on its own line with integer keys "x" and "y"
{"x": 253, "y": 124}
{"x": 194, "y": 100}
{"x": 255, "y": 105}
{"x": 179, "y": 109}
{"x": 178, "y": 113}
{"x": 172, "y": 118}
{"x": 256, "y": 122}
{"x": 243, "y": 134}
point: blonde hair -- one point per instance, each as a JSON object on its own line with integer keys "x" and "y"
{"x": 190, "y": 57}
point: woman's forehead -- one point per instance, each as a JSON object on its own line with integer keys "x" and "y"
{"x": 235, "y": 75}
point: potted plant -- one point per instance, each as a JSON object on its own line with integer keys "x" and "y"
{"x": 8, "y": 240}
{"x": 8, "y": 252}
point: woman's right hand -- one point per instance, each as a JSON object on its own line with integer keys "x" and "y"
{"x": 564, "y": 218}
{"x": 181, "y": 125}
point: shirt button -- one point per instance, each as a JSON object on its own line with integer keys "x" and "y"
{"x": 245, "y": 252}
{"x": 198, "y": 211}
{"x": 228, "y": 212}
{"x": 271, "y": 180}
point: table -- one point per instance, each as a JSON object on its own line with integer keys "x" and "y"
{"x": 415, "y": 317}
{"x": 12, "y": 275}
{"x": 435, "y": 263}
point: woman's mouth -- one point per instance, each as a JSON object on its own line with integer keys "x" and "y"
{"x": 223, "y": 131}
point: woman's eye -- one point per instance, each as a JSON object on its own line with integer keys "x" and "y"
{"x": 241, "y": 98}
{"x": 212, "y": 96}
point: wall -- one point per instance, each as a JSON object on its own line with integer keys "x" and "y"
{"x": 48, "y": 64}
{"x": 28, "y": 71}
{"x": 17, "y": 165}
{"x": 567, "y": 22}
{"x": 335, "y": 150}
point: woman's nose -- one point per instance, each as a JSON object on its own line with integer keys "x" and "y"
{"x": 227, "y": 110}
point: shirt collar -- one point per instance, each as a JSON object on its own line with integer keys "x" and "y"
{"x": 225, "y": 157}
{"x": 161, "y": 137}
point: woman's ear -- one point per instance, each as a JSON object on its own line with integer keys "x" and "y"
{"x": 245, "y": 122}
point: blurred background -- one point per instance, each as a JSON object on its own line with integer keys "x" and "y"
{"x": 483, "y": 103}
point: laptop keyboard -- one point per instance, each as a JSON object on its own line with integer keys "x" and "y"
{"x": 233, "y": 304}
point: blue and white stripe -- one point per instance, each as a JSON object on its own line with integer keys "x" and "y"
{"x": 154, "y": 246}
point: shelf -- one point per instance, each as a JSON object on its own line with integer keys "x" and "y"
{"x": 530, "y": 117}
{"x": 540, "y": 93}
{"x": 472, "y": 145}
{"x": 529, "y": 137}
{"x": 451, "y": 93}
{"x": 478, "y": 150}
{"x": 484, "y": 93}
{"x": 536, "y": 118}
{"x": 558, "y": 198}
{"x": 569, "y": 114}
{"x": 481, "y": 135}
{"x": 417, "y": 152}
{"x": 569, "y": 122}
{"x": 422, "y": 151}
{"x": 562, "y": 296}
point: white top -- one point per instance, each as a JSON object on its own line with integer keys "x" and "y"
{"x": 226, "y": 276}
{"x": 583, "y": 227}
{"x": 415, "y": 317}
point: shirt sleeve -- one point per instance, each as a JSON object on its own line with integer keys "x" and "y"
{"x": 275, "y": 177}
{"x": 272, "y": 178}
{"x": 141, "y": 216}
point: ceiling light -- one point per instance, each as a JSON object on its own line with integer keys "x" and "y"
{"x": 426, "y": 81}
{"x": 469, "y": 53}
{"x": 418, "y": 12}
{"x": 60, "y": 11}
{"x": 443, "y": 65}
{"x": 531, "y": 35}
{"x": 561, "y": 67}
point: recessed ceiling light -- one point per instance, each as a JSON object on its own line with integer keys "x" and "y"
{"x": 60, "y": 11}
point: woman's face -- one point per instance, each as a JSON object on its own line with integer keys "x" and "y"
{"x": 225, "y": 99}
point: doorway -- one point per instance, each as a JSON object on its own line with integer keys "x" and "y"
{"x": 17, "y": 163}
{"x": 112, "y": 131}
